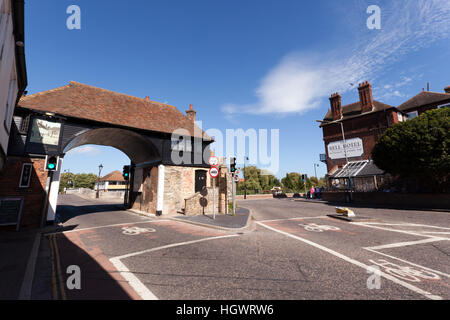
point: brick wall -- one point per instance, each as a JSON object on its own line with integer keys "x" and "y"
{"x": 401, "y": 200}
{"x": 368, "y": 128}
{"x": 33, "y": 196}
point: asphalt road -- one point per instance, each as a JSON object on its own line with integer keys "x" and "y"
{"x": 292, "y": 251}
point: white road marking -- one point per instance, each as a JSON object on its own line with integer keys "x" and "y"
{"x": 409, "y": 262}
{"x": 134, "y": 231}
{"x": 318, "y": 228}
{"x": 368, "y": 225}
{"x": 110, "y": 225}
{"x": 404, "y": 244}
{"x": 299, "y": 218}
{"x": 430, "y": 232}
{"x": 134, "y": 282}
{"x": 405, "y": 224}
{"x": 357, "y": 263}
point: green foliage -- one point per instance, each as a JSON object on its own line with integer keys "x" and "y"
{"x": 419, "y": 149}
{"x": 293, "y": 182}
{"x": 80, "y": 180}
{"x": 257, "y": 179}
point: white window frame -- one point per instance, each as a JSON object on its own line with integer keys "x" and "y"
{"x": 183, "y": 143}
{"x": 415, "y": 113}
{"x": 444, "y": 105}
{"x": 21, "y": 175}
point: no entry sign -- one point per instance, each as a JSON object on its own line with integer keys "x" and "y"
{"x": 213, "y": 172}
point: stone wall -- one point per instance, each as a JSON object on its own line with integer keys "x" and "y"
{"x": 179, "y": 184}
{"x": 193, "y": 204}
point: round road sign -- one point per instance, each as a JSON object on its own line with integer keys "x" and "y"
{"x": 213, "y": 172}
{"x": 213, "y": 161}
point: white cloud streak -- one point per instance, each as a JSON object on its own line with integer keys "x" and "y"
{"x": 85, "y": 150}
{"x": 301, "y": 81}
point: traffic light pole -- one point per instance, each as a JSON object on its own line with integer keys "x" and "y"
{"x": 234, "y": 194}
{"x": 46, "y": 199}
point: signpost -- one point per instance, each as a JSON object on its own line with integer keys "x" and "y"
{"x": 214, "y": 173}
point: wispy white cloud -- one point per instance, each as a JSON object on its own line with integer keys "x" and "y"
{"x": 85, "y": 150}
{"x": 301, "y": 81}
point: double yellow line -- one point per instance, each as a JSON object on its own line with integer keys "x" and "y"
{"x": 57, "y": 278}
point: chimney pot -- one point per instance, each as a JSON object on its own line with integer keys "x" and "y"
{"x": 447, "y": 89}
{"x": 191, "y": 113}
{"x": 365, "y": 97}
{"x": 336, "y": 107}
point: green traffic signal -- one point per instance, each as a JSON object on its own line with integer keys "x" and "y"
{"x": 51, "y": 163}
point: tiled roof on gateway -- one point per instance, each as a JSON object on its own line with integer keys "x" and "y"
{"x": 91, "y": 103}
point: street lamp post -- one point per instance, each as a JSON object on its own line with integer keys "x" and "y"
{"x": 315, "y": 172}
{"x": 100, "y": 167}
{"x": 245, "y": 180}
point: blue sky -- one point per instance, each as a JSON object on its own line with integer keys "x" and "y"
{"x": 242, "y": 64}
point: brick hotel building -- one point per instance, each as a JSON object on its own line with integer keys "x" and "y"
{"x": 362, "y": 123}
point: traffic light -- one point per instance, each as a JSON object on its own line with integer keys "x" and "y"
{"x": 304, "y": 177}
{"x": 126, "y": 173}
{"x": 232, "y": 164}
{"x": 52, "y": 163}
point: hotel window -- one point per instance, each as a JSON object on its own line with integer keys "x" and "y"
{"x": 412, "y": 115}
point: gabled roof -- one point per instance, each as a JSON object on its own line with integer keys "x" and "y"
{"x": 354, "y": 110}
{"x": 87, "y": 102}
{"x": 113, "y": 176}
{"x": 424, "y": 98}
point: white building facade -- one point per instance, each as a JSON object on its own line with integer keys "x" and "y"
{"x": 13, "y": 79}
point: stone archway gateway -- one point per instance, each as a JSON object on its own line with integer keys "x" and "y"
{"x": 52, "y": 122}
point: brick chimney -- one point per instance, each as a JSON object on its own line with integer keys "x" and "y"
{"x": 336, "y": 107}
{"x": 191, "y": 113}
{"x": 447, "y": 89}
{"x": 365, "y": 96}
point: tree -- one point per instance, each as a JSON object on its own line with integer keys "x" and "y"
{"x": 418, "y": 149}
{"x": 257, "y": 179}
{"x": 80, "y": 180}
{"x": 293, "y": 182}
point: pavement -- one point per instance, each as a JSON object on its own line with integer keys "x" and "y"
{"x": 16, "y": 250}
{"x": 292, "y": 252}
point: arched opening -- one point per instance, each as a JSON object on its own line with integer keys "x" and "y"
{"x": 117, "y": 147}
{"x": 137, "y": 147}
